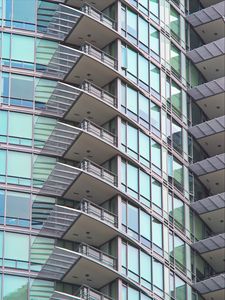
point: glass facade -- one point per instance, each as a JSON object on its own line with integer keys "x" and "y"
{"x": 96, "y": 179}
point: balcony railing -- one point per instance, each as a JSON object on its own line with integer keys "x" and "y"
{"x": 99, "y": 131}
{"x": 98, "y": 255}
{"x": 87, "y": 293}
{"x": 100, "y": 93}
{"x": 99, "y": 171}
{"x": 98, "y": 15}
{"x": 99, "y": 212}
{"x": 101, "y": 55}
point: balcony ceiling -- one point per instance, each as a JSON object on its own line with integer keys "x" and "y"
{"x": 210, "y": 97}
{"x": 87, "y": 229}
{"x": 89, "y": 272}
{"x": 209, "y": 22}
{"x": 92, "y": 69}
{"x": 210, "y": 59}
{"x": 215, "y": 220}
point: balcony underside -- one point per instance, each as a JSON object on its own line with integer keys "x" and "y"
{"x": 99, "y": 4}
{"x": 207, "y": 3}
{"x": 213, "y": 251}
{"x": 91, "y": 107}
{"x": 211, "y": 172}
{"x": 88, "y": 67}
{"x": 75, "y": 184}
{"x": 87, "y": 30}
{"x": 210, "y": 59}
{"x": 75, "y": 268}
{"x": 209, "y": 22}
{"x": 212, "y": 211}
{"x": 210, "y": 97}
{"x": 210, "y": 135}
{"x": 212, "y": 288}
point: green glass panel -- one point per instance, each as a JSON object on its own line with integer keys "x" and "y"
{"x": 21, "y": 53}
{"x": 21, "y": 251}
{"x": 20, "y": 125}
{"x": 19, "y": 164}
{"x": 15, "y": 288}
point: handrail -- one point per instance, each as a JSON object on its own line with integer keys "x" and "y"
{"x": 87, "y": 293}
{"x": 105, "y": 174}
{"x": 97, "y": 14}
{"x": 97, "y": 254}
{"x": 99, "y": 92}
{"x": 99, "y": 54}
{"x": 105, "y": 215}
{"x": 99, "y": 131}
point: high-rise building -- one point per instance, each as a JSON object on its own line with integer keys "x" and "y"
{"x": 112, "y": 150}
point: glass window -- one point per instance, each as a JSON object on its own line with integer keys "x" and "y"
{"x": 3, "y": 125}
{"x": 154, "y": 7}
{"x": 132, "y": 218}
{"x": 133, "y": 294}
{"x": 132, "y": 141}
{"x": 21, "y": 53}
{"x": 2, "y": 210}
{"x": 179, "y": 252}
{"x": 132, "y": 100}
{"x": 144, "y": 108}
{"x": 132, "y": 62}
{"x": 145, "y": 226}
{"x": 15, "y": 288}
{"x": 131, "y": 23}
{"x": 155, "y": 116}
{"x": 156, "y": 193}
{"x": 175, "y": 59}
{"x": 24, "y": 10}
{"x": 22, "y": 87}
{"x": 174, "y": 22}
{"x": 143, "y": 31}
{"x": 19, "y": 164}
{"x": 144, "y": 148}
{"x": 20, "y": 125}
{"x": 144, "y": 187}
{"x": 176, "y": 98}
{"x": 156, "y": 154}
{"x": 145, "y": 270}
{"x": 158, "y": 277}
{"x": 157, "y": 233}
{"x": 155, "y": 78}
{"x": 132, "y": 178}
{"x": 133, "y": 262}
{"x": 143, "y": 69}
{"x": 154, "y": 40}
{"x": 180, "y": 288}
{"x": 3, "y": 162}
{"x": 17, "y": 209}
{"x": 18, "y": 253}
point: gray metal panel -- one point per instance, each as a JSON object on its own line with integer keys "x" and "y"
{"x": 207, "y": 15}
{"x": 208, "y": 51}
{"x": 210, "y": 244}
{"x": 209, "y": 165}
{"x": 208, "y": 89}
{"x": 208, "y": 128}
{"x": 212, "y": 284}
{"x": 209, "y": 204}
{"x": 58, "y": 263}
{"x": 61, "y": 138}
{"x": 61, "y": 177}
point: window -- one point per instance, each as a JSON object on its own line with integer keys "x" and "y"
{"x": 175, "y": 60}
{"x": 158, "y": 277}
{"x": 16, "y": 257}
{"x": 15, "y": 288}
{"x": 176, "y": 98}
{"x": 2, "y": 208}
{"x": 175, "y": 22}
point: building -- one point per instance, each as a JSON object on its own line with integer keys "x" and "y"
{"x": 112, "y": 157}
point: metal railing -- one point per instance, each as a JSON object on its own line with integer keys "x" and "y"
{"x": 99, "y": 171}
{"x": 88, "y": 293}
{"x": 99, "y": 92}
{"x": 99, "y": 131}
{"x": 99, "y": 54}
{"x": 98, "y": 211}
{"x": 98, "y": 255}
{"x": 98, "y": 15}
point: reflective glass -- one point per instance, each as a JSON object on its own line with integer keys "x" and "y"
{"x": 21, "y": 53}
{"x": 19, "y": 164}
{"x": 15, "y": 288}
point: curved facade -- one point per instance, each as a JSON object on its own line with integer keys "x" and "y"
{"x": 106, "y": 164}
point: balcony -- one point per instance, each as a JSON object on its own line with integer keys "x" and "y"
{"x": 210, "y": 135}
{"x": 211, "y": 172}
{"x": 86, "y": 179}
{"x": 99, "y": 4}
{"x": 70, "y": 103}
{"x": 74, "y": 65}
{"x": 72, "y": 25}
{"x": 209, "y": 23}
{"x": 84, "y": 293}
{"x": 212, "y": 288}
{"x": 88, "y": 222}
{"x": 212, "y": 211}
{"x": 75, "y": 143}
{"x": 212, "y": 250}
{"x": 80, "y": 266}
{"x": 210, "y": 97}
{"x": 209, "y": 59}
